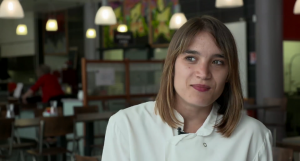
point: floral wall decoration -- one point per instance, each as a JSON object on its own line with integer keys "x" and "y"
{"x": 148, "y": 20}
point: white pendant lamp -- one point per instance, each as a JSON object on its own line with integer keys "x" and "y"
{"x": 21, "y": 29}
{"x": 91, "y": 33}
{"x": 177, "y": 19}
{"x": 122, "y": 28}
{"x": 229, "y": 3}
{"x": 11, "y": 9}
{"x": 51, "y": 25}
{"x": 105, "y": 15}
{"x": 297, "y": 7}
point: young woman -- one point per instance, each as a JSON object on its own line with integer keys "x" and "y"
{"x": 197, "y": 112}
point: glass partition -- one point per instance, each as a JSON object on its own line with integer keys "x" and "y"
{"x": 160, "y": 53}
{"x": 105, "y": 79}
{"x": 114, "y": 54}
{"x": 136, "y": 54}
{"x": 145, "y": 77}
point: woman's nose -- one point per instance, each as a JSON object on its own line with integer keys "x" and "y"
{"x": 203, "y": 71}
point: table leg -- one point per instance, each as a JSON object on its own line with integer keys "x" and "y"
{"x": 89, "y": 138}
{"x": 62, "y": 142}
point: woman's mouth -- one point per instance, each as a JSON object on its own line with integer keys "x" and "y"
{"x": 201, "y": 87}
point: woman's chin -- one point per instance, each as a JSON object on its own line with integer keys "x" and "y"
{"x": 200, "y": 104}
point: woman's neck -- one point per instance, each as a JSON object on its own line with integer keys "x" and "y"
{"x": 194, "y": 116}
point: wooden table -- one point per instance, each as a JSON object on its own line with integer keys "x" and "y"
{"x": 294, "y": 146}
{"x": 260, "y": 107}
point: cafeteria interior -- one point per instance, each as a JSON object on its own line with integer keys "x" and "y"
{"x": 102, "y": 56}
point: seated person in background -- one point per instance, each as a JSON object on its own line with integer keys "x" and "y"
{"x": 51, "y": 89}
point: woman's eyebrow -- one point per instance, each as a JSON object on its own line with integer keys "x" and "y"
{"x": 218, "y": 55}
{"x": 191, "y": 52}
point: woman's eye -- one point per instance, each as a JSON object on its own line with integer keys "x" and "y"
{"x": 218, "y": 62}
{"x": 190, "y": 58}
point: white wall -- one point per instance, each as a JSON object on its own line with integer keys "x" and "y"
{"x": 291, "y": 49}
{"x": 13, "y": 45}
{"x": 238, "y": 30}
{"x": 56, "y": 62}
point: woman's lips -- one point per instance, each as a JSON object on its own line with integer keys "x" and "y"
{"x": 201, "y": 87}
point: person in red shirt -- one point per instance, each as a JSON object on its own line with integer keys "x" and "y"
{"x": 51, "y": 89}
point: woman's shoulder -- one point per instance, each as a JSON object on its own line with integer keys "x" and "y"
{"x": 252, "y": 127}
{"x": 133, "y": 113}
{"x": 252, "y": 122}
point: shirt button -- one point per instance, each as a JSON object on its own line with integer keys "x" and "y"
{"x": 204, "y": 144}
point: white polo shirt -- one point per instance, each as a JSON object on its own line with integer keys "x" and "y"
{"x": 138, "y": 134}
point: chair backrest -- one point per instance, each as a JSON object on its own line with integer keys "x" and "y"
{"x": 6, "y": 126}
{"x": 250, "y": 101}
{"x": 85, "y": 109}
{"x": 276, "y": 102}
{"x": 7, "y": 131}
{"x": 282, "y": 154}
{"x": 57, "y": 126}
{"x": 23, "y": 123}
{"x": 81, "y": 158}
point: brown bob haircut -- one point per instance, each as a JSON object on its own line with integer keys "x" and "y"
{"x": 230, "y": 101}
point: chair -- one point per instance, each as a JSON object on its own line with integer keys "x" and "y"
{"x": 277, "y": 118}
{"x": 250, "y": 101}
{"x": 87, "y": 110}
{"x": 90, "y": 118}
{"x": 282, "y": 154}
{"x": 25, "y": 123}
{"x": 81, "y": 158}
{"x": 282, "y": 103}
{"x": 53, "y": 127}
{"x": 276, "y": 101}
{"x": 7, "y": 128}
{"x": 22, "y": 123}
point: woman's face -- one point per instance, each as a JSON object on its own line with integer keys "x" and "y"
{"x": 200, "y": 72}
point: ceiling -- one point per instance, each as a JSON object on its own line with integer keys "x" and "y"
{"x": 52, "y": 5}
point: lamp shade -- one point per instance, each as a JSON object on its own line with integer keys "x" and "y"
{"x": 51, "y": 25}
{"x": 177, "y": 20}
{"x": 21, "y": 29}
{"x": 229, "y": 3}
{"x": 11, "y": 9}
{"x": 122, "y": 28}
{"x": 105, "y": 16}
{"x": 297, "y": 7}
{"x": 91, "y": 33}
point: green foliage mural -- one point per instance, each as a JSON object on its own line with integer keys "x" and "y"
{"x": 135, "y": 14}
{"x": 161, "y": 16}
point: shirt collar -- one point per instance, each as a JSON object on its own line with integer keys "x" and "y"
{"x": 208, "y": 126}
